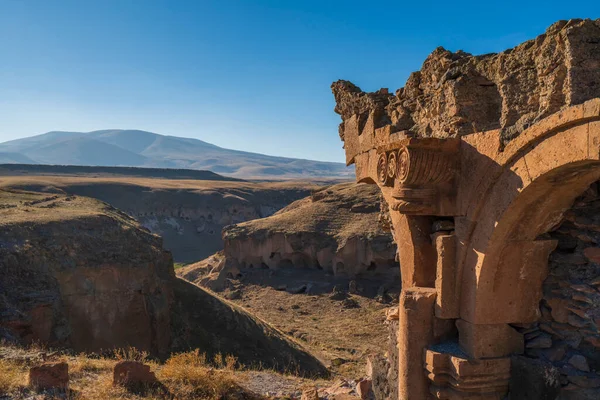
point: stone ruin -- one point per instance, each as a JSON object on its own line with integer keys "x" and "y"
{"x": 503, "y": 152}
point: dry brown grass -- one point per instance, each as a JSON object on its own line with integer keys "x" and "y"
{"x": 12, "y": 376}
{"x": 183, "y": 376}
{"x": 188, "y": 375}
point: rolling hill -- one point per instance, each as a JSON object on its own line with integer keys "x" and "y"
{"x": 134, "y": 148}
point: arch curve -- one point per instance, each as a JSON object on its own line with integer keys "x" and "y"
{"x": 522, "y": 194}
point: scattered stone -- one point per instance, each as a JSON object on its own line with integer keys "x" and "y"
{"x": 392, "y": 314}
{"x": 364, "y": 388}
{"x": 234, "y": 295}
{"x": 350, "y": 303}
{"x": 340, "y": 388}
{"x": 579, "y": 362}
{"x": 352, "y": 287}
{"x": 133, "y": 375}
{"x": 49, "y": 376}
{"x": 336, "y": 362}
{"x": 310, "y": 394}
{"x": 338, "y": 293}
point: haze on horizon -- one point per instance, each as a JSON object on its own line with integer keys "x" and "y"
{"x": 244, "y": 75}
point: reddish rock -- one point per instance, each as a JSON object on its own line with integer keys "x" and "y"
{"x": 49, "y": 376}
{"x": 364, "y": 388}
{"x": 133, "y": 375}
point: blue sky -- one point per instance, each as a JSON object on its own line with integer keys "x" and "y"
{"x": 248, "y": 75}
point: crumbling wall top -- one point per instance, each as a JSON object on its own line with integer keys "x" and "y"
{"x": 456, "y": 93}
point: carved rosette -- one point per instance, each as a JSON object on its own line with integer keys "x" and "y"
{"x": 419, "y": 170}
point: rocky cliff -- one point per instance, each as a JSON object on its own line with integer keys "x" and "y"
{"x": 336, "y": 229}
{"x": 188, "y": 214}
{"x": 456, "y": 93}
{"x": 75, "y": 272}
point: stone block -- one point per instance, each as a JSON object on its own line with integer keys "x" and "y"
{"x": 454, "y": 377}
{"x": 490, "y": 340}
{"x": 416, "y": 310}
{"x": 49, "y": 376}
{"x": 133, "y": 375}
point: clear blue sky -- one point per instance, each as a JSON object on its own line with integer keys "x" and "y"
{"x": 249, "y": 75}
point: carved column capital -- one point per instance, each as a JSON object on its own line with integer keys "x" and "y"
{"x": 421, "y": 173}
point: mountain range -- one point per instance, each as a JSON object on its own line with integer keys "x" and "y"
{"x": 135, "y": 148}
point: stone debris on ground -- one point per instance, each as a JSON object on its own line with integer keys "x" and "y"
{"x": 49, "y": 376}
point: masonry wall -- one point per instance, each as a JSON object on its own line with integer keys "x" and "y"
{"x": 567, "y": 339}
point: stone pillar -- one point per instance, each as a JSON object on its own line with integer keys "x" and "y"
{"x": 417, "y": 254}
{"x": 415, "y": 334}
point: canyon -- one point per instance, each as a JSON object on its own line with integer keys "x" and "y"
{"x": 80, "y": 274}
{"x": 188, "y": 214}
{"x": 464, "y": 263}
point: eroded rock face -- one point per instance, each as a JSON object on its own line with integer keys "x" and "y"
{"x": 458, "y": 94}
{"x": 188, "y": 215}
{"x": 336, "y": 229}
{"x": 75, "y": 272}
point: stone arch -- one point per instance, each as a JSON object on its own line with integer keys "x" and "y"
{"x": 503, "y": 257}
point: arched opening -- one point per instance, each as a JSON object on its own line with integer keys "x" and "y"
{"x": 567, "y": 331}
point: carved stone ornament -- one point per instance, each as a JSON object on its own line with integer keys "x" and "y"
{"x": 420, "y": 172}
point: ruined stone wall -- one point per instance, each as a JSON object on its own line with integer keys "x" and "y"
{"x": 456, "y": 93}
{"x": 567, "y": 338}
{"x": 382, "y": 369}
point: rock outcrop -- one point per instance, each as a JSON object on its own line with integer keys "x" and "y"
{"x": 456, "y": 93}
{"x": 336, "y": 229}
{"x": 75, "y": 272}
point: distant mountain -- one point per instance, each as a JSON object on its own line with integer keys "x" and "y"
{"x": 133, "y": 148}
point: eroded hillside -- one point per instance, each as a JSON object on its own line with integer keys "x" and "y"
{"x": 188, "y": 214}
{"x": 337, "y": 230}
{"x": 77, "y": 273}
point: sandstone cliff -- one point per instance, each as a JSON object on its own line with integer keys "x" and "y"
{"x": 456, "y": 93}
{"x": 336, "y": 229}
{"x": 75, "y": 272}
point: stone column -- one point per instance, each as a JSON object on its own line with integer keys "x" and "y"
{"x": 415, "y": 333}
